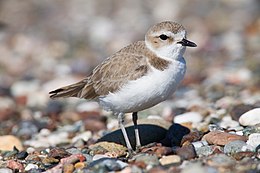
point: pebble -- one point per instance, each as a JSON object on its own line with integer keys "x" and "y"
{"x": 254, "y": 140}
{"x": 222, "y": 138}
{"x": 6, "y": 170}
{"x": 191, "y": 137}
{"x": 186, "y": 152}
{"x": 15, "y": 165}
{"x": 68, "y": 168}
{"x": 149, "y": 159}
{"x": 238, "y": 110}
{"x": 108, "y": 147}
{"x": 250, "y": 118}
{"x": 204, "y": 151}
{"x": 220, "y": 160}
{"x": 9, "y": 141}
{"x": 79, "y": 165}
{"x": 107, "y": 165}
{"x": 170, "y": 159}
{"x": 193, "y": 117}
{"x": 175, "y": 135}
{"x": 85, "y": 136}
{"x": 198, "y": 167}
{"x": 30, "y": 166}
{"x": 22, "y": 155}
{"x": 243, "y": 154}
{"x": 234, "y": 147}
{"x": 58, "y": 153}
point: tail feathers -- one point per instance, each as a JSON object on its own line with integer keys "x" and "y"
{"x": 80, "y": 89}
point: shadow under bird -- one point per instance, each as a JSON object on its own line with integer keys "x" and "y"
{"x": 136, "y": 77}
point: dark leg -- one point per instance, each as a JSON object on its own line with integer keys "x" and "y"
{"x": 137, "y": 138}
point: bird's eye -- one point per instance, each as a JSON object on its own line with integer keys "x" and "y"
{"x": 163, "y": 37}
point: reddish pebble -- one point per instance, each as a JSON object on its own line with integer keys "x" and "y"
{"x": 222, "y": 138}
{"x": 15, "y": 165}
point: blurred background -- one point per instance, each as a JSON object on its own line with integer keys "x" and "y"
{"x": 50, "y": 43}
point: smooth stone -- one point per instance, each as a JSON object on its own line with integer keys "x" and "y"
{"x": 204, "y": 151}
{"x": 6, "y": 170}
{"x": 227, "y": 122}
{"x": 234, "y": 147}
{"x": 15, "y": 165}
{"x": 175, "y": 135}
{"x": 106, "y": 165}
{"x": 191, "y": 137}
{"x": 222, "y": 138}
{"x": 243, "y": 154}
{"x": 9, "y": 141}
{"x": 22, "y": 155}
{"x": 250, "y": 118}
{"x": 31, "y": 166}
{"x": 254, "y": 140}
{"x": 193, "y": 117}
{"x": 150, "y": 131}
{"x": 171, "y": 159}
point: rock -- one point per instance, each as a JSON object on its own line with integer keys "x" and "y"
{"x": 243, "y": 154}
{"x": 234, "y": 146}
{"x": 240, "y": 109}
{"x": 31, "y": 166}
{"x": 251, "y": 129}
{"x": 148, "y": 133}
{"x": 191, "y": 137}
{"x": 220, "y": 160}
{"x": 109, "y": 148}
{"x": 227, "y": 122}
{"x": 192, "y": 117}
{"x": 186, "y": 152}
{"x": 149, "y": 160}
{"x": 107, "y": 165}
{"x": 8, "y": 142}
{"x": 68, "y": 168}
{"x": 85, "y": 136}
{"x": 171, "y": 159}
{"x": 254, "y": 140}
{"x": 58, "y": 153}
{"x": 222, "y": 138}
{"x": 250, "y": 118}
{"x": 204, "y": 151}
{"x": 6, "y": 170}
{"x": 14, "y": 165}
{"x": 156, "y": 149}
{"x": 79, "y": 165}
{"x": 94, "y": 125}
{"x": 22, "y": 155}
{"x": 175, "y": 135}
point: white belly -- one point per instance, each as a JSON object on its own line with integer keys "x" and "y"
{"x": 147, "y": 91}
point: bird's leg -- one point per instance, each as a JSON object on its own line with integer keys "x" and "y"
{"x": 137, "y": 137}
{"x": 122, "y": 127}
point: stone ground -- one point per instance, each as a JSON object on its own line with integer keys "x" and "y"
{"x": 211, "y": 124}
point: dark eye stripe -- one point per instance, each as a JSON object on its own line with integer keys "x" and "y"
{"x": 163, "y": 37}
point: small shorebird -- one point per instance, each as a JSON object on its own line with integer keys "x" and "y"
{"x": 136, "y": 77}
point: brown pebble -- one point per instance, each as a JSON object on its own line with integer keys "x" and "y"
{"x": 58, "y": 153}
{"x": 191, "y": 137}
{"x": 158, "y": 170}
{"x": 79, "y": 165}
{"x": 157, "y": 149}
{"x": 14, "y": 165}
{"x": 243, "y": 154}
{"x": 240, "y": 109}
{"x": 222, "y": 138}
{"x": 68, "y": 168}
{"x": 186, "y": 152}
{"x": 94, "y": 125}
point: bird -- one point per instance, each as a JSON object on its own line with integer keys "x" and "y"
{"x": 137, "y": 77}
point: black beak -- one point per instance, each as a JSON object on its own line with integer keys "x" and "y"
{"x": 188, "y": 43}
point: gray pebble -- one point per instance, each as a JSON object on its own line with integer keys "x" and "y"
{"x": 6, "y": 170}
{"x": 234, "y": 146}
{"x": 204, "y": 151}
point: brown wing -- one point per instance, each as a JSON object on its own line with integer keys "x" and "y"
{"x": 117, "y": 71}
{"x": 109, "y": 76}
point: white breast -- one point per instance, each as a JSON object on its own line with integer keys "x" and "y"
{"x": 147, "y": 91}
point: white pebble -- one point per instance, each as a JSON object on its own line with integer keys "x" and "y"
{"x": 250, "y": 118}
{"x": 193, "y": 117}
{"x": 254, "y": 140}
{"x": 30, "y": 166}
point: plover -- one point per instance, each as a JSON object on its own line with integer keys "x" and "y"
{"x": 136, "y": 77}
